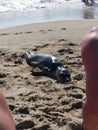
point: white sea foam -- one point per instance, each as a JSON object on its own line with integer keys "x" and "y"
{"x": 17, "y": 5}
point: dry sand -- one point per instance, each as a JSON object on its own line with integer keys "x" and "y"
{"x": 40, "y": 102}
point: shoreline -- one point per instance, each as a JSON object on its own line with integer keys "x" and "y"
{"x": 37, "y": 33}
{"x": 40, "y": 102}
{"x": 61, "y": 11}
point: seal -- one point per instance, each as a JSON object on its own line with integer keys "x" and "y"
{"x": 49, "y": 65}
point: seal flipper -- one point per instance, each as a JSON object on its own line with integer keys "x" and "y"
{"x": 33, "y": 64}
{"x": 46, "y": 70}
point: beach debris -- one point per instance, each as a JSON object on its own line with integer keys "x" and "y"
{"x": 48, "y": 66}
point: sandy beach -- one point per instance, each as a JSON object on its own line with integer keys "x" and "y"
{"x": 40, "y": 102}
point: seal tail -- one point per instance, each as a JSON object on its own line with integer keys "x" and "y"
{"x": 28, "y": 57}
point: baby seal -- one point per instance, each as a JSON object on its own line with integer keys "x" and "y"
{"x": 49, "y": 65}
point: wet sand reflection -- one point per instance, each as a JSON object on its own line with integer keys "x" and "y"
{"x": 88, "y": 13}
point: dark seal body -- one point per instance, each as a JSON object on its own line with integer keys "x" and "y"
{"x": 49, "y": 65}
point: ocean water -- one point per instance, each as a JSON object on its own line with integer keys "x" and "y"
{"x": 19, "y": 12}
{"x": 20, "y": 5}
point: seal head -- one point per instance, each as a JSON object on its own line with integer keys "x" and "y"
{"x": 63, "y": 74}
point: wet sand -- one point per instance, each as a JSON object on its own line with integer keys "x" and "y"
{"x": 40, "y": 102}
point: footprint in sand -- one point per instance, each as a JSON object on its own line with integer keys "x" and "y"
{"x": 2, "y": 54}
{"x": 12, "y": 107}
{"x": 17, "y": 76}
{"x": 42, "y": 127}
{"x": 67, "y": 88}
{"x": 17, "y": 59}
{"x": 18, "y": 62}
{"x": 17, "y": 33}
{"x": 76, "y": 95}
{"x": 38, "y": 47}
{"x": 78, "y": 77}
{"x": 75, "y": 125}
{"x": 63, "y": 51}
{"x": 77, "y": 105}
{"x": 50, "y": 30}
{"x": 26, "y": 124}
{"x": 4, "y": 34}
{"x": 65, "y": 102}
{"x": 3, "y": 75}
{"x": 62, "y": 40}
{"x": 63, "y": 28}
{"x": 2, "y": 83}
{"x": 71, "y": 44}
{"x": 42, "y": 31}
{"x": 23, "y": 110}
{"x": 28, "y": 32}
{"x": 74, "y": 105}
